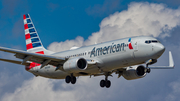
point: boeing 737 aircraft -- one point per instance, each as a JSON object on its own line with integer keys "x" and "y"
{"x": 123, "y": 57}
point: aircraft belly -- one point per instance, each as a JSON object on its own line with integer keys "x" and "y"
{"x": 49, "y": 72}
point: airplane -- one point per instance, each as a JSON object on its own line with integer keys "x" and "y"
{"x": 124, "y": 57}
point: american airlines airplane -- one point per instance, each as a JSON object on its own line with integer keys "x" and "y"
{"x": 123, "y": 57}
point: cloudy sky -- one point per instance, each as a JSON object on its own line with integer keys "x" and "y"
{"x": 63, "y": 24}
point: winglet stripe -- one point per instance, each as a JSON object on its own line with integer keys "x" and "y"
{"x": 27, "y": 36}
{"x": 27, "y": 15}
{"x": 36, "y": 45}
{"x": 35, "y": 40}
{"x": 29, "y": 46}
{"x": 33, "y": 35}
{"x": 25, "y": 26}
{"x": 40, "y": 52}
{"x": 24, "y": 16}
{"x": 28, "y": 21}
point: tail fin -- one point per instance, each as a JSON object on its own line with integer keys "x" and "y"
{"x": 33, "y": 42}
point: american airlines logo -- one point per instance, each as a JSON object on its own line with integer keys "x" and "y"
{"x": 110, "y": 49}
{"x": 130, "y": 45}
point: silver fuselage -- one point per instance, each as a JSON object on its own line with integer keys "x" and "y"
{"x": 111, "y": 55}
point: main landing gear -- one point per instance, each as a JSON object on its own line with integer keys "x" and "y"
{"x": 71, "y": 79}
{"x": 105, "y": 83}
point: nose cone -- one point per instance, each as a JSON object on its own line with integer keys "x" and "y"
{"x": 159, "y": 49}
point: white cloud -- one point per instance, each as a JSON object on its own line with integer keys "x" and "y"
{"x": 174, "y": 94}
{"x": 61, "y": 46}
{"x": 43, "y": 89}
{"x": 140, "y": 19}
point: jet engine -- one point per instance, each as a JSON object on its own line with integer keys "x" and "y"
{"x": 134, "y": 72}
{"x": 76, "y": 64}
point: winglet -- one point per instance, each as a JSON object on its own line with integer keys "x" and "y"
{"x": 171, "y": 63}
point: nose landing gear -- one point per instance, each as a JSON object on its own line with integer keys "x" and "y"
{"x": 150, "y": 62}
{"x": 148, "y": 70}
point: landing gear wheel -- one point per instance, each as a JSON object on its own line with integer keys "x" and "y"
{"x": 68, "y": 79}
{"x": 102, "y": 83}
{"x": 73, "y": 80}
{"x": 108, "y": 84}
{"x": 148, "y": 70}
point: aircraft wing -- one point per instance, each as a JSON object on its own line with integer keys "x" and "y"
{"x": 171, "y": 63}
{"x": 34, "y": 57}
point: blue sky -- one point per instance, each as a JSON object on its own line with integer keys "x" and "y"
{"x": 60, "y": 22}
{"x": 57, "y": 20}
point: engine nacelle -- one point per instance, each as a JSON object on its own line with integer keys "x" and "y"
{"x": 76, "y": 64}
{"x": 134, "y": 72}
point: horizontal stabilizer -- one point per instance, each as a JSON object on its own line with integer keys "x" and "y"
{"x": 15, "y": 61}
{"x": 171, "y": 63}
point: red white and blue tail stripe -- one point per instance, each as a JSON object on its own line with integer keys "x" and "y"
{"x": 33, "y": 41}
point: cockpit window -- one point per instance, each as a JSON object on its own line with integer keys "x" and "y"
{"x": 148, "y": 41}
{"x": 152, "y": 41}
